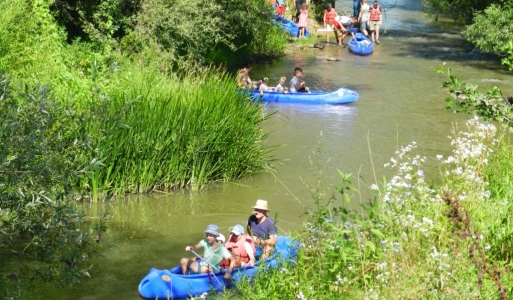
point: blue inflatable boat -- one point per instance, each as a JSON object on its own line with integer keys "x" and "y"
{"x": 289, "y": 26}
{"x": 340, "y": 96}
{"x": 171, "y": 284}
{"x": 360, "y": 45}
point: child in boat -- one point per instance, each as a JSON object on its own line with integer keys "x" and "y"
{"x": 214, "y": 252}
{"x": 243, "y": 79}
{"x": 241, "y": 246}
{"x": 281, "y": 85}
{"x": 303, "y": 20}
{"x": 296, "y": 84}
{"x": 264, "y": 87}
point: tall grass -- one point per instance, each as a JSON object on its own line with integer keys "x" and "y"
{"x": 450, "y": 239}
{"x": 164, "y": 133}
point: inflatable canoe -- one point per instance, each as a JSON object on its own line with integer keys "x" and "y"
{"x": 171, "y": 284}
{"x": 360, "y": 45}
{"x": 289, "y": 26}
{"x": 340, "y": 96}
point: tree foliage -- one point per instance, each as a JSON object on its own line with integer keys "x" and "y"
{"x": 43, "y": 235}
{"x": 460, "y": 10}
{"x": 200, "y": 29}
{"x": 465, "y": 98}
{"x": 492, "y": 30}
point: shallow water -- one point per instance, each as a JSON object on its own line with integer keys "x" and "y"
{"x": 401, "y": 100}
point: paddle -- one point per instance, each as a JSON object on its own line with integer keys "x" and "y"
{"x": 211, "y": 265}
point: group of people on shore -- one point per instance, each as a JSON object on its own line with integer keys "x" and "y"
{"x": 296, "y": 85}
{"x": 367, "y": 16}
{"x": 242, "y": 247}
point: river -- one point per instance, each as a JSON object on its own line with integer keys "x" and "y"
{"x": 401, "y": 101}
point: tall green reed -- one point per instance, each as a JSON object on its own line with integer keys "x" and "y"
{"x": 165, "y": 133}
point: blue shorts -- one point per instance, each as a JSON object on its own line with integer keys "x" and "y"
{"x": 198, "y": 271}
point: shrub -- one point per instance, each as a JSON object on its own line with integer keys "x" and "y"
{"x": 43, "y": 235}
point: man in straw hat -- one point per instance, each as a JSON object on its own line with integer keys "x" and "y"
{"x": 214, "y": 252}
{"x": 262, "y": 228}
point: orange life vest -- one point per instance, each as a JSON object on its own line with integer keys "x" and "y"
{"x": 238, "y": 249}
{"x": 329, "y": 16}
{"x": 375, "y": 14}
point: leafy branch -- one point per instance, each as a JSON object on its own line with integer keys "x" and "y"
{"x": 465, "y": 97}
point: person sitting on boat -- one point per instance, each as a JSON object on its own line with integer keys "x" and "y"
{"x": 262, "y": 229}
{"x": 281, "y": 85}
{"x": 244, "y": 82}
{"x": 241, "y": 246}
{"x": 214, "y": 252}
{"x": 264, "y": 86}
{"x": 297, "y": 85}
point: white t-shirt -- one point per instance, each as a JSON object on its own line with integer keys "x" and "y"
{"x": 264, "y": 87}
{"x": 365, "y": 9}
{"x": 345, "y": 20}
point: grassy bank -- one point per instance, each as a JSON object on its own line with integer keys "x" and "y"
{"x": 449, "y": 239}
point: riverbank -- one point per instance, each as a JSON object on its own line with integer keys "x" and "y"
{"x": 445, "y": 239}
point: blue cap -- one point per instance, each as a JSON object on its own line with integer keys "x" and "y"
{"x": 237, "y": 229}
{"x": 212, "y": 229}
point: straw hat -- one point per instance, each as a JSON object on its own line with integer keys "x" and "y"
{"x": 212, "y": 229}
{"x": 261, "y": 204}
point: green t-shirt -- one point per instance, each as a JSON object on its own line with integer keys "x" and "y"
{"x": 212, "y": 256}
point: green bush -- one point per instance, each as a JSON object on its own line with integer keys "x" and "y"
{"x": 449, "y": 239}
{"x": 492, "y": 28}
{"x": 43, "y": 235}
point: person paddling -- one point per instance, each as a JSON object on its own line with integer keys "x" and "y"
{"x": 262, "y": 229}
{"x": 214, "y": 252}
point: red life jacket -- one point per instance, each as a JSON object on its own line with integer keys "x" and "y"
{"x": 238, "y": 249}
{"x": 375, "y": 13}
{"x": 329, "y": 16}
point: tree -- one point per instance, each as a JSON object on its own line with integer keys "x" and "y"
{"x": 492, "y": 31}
{"x": 460, "y": 10}
{"x": 43, "y": 234}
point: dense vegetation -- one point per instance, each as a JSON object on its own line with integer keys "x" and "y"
{"x": 449, "y": 239}
{"x": 100, "y": 98}
{"x": 489, "y": 24}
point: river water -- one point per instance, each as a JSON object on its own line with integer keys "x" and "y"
{"x": 401, "y": 101}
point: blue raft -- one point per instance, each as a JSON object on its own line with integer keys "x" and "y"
{"x": 171, "y": 284}
{"x": 360, "y": 45}
{"x": 289, "y": 26}
{"x": 340, "y": 96}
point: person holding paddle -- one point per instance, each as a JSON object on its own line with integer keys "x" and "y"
{"x": 263, "y": 229}
{"x": 214, "y": 252}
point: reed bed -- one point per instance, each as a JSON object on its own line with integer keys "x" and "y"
{"x": 162, "y": 134}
